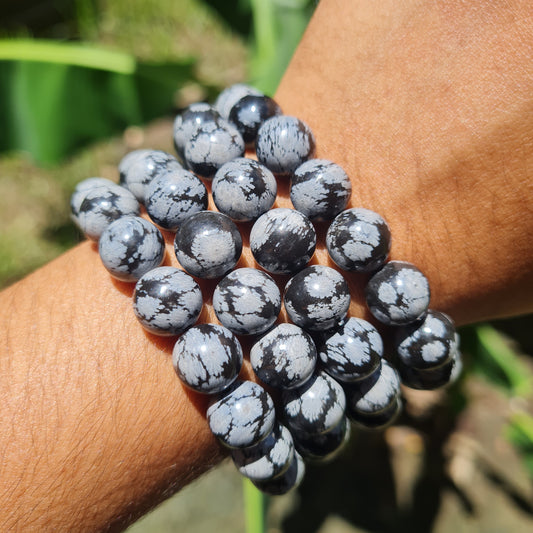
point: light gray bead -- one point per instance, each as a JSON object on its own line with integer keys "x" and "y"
{"x": 103, "y": 205}
{"x": 285, "y": 482}
{"x": 81, "y": 190}
{"x": 230, "y": 96}
{"x": 285, "y": 357}
{"x": 166, "y": 301}
{"x": 130, "y": 247}
{"x": 247, "y": 301}
{"x": 173, "y": 196}
{"x": 244, "y": 189}
{"x": 284, "y": 143}
{"x": 242, "y": 417}
{"x": 207, "y": 358}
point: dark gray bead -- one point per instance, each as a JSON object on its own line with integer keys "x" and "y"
{"x": 267, "y": 459}
{"x": 317, "y": 298}
{"x": 103, "y": 205}
{"x": 285, "y": 357}
{"x": 247, "y": 301}
{"x": 428, "y": 343}
{"x": 352, "y": 351}
{"x": 379, "y": 420}
{"x": 315, "y": 407}
{"x": 249, "y": 113}
{"x": 138, "y": 168}
{"x": 243, "y": 416}
{"x": 398, "y": 294}
{"x": 130, "y": 247}
{"x": 207, "y": 358}
{"x": 230, "y": 96}
{"x": 244, "y": 189}
{"x": 174, "y": 196}
{"x": 208, "y": 244}
{"x": 283, "y": 241}
{"x": 320, "y": 189}
{"x": 167, "y": 301}
{"x": 358, "y": 240}
{"x": 285, "y": 482}
{"x": 81, "y": 190}
{"x": 284, "y": 143}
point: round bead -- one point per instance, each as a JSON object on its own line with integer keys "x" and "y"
{"x": 138, "y": 168}
{"x": 315, "y": 407}
{"x": 398, "y": 294}
{"x": 285, "y": 357}
{"x": 207, "y": 358}
{"x": 166, "y": 301}
{"x": 214, "y": 144}
{"x": 130, "y": 247}
{"x": 317, "y": 298}
{"x": 379, "y": 420}
{"x": 320, "y": 189}
{"x": 187, "y": 123}
{"x": 269, "y": 458}
{"x": 250, "y": 112}
{"x": 103, "y": 205}
{"x": 247, "y": 301}
{"x": 352, "y": 351}
{"x": 230, "y": 96}
{"x": 283, "y": 241}
{"x": 284, "y": 143}
{"x": 428, "y": 343}
{"x": 81, "y": 190}
{"x": 428, "y": 379}
{"x": 174, "y": 196}
{"x": 358, "y": 240}
{"x": 244, "y": 189}
{"x": 208, "y": 244}
{"x": 285, "y": 482}
{"x": 243, "y": 416}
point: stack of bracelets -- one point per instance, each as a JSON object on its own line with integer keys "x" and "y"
{"x": 323, "y": 370}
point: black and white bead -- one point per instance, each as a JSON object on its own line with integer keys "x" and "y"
{"x": 244, "y": 189}
{"x": 352, "y": 351}
{"x": 431, "y": 378}
{"x": 130, "y": 247}
{"x": 167, "y": 301}
{"x": 285, "y": 357}
{"x": 207, "y": 358}
{"x": 247, "y": 301}
{"x": 208, "y": 244}
{"x": 358, "y": 240}
{"x": 81, "y": 190}
{"x": 284, "y": 143}
{"x": 379, "y": 420}
{"x": 174, "y": 196}
{"x": 398, "y": 294}
{"x": 317, "y": 298}
{"x": 243, "y": 416}
{"x": 289, "y": 480}
{"x": 320, "y": 189}
{"x": 231, "y": 95}
{"x": 283, "y": 241}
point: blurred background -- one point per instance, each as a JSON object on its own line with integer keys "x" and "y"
{"x": 82, "y": 82}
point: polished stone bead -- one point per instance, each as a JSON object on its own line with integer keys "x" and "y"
{"x": 167, "y": 301}
{"x": 244, "y": 189}
{"x": 379, "y": 420}
{"x": 282, "y": 241}
{"x": 285, "y": 357}
{"x": 315, "y": 407}
{"x": 130, "y": 247}
{"x": 247, "y": 301}
{"x": 398, "y": 294}
{"x": 320, "y": 189}
{"x": 317, "y": 298}
{"x": 352, "y": 351}
{"x": 81, "y": 190}
{"x": 208, "y": 244}
{"x": 174, "y": 196}
{"x": 358, "y": 240}
{"x": 285, "y": 482}
{"x": 207, "y": 358}
{"x": 103, "y": 205}
{"x": 249, "y": 113}
{"x": 243, "y": 416}
{"x": 231, "y": 95}
{"x": 284, "y": 143}
{"x": 138, "y": 168}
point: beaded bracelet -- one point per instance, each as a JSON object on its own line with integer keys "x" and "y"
{"x": 324, "y": 369}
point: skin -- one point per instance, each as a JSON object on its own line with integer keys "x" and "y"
{"x": 428, "y": 108}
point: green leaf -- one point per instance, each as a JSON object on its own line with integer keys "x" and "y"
{"x": 254, "y": 507}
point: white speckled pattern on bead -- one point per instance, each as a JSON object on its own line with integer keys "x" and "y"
{"x": 81, "y": 190}
{"x": 247, "y": 301}
{"x": 285, "y": 482}
{"x": 378, "y": 420}
{"x": 323, "y": 446}
{"x": 231, "y": 95}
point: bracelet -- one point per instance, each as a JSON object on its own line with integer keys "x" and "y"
{"x": 324, "y": 370}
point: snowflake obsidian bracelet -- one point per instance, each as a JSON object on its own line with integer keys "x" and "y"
{"x": 324, "y": 371}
